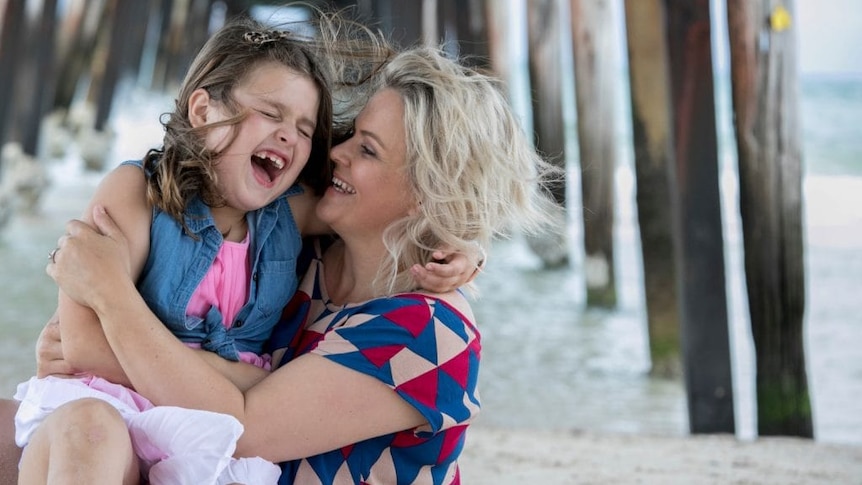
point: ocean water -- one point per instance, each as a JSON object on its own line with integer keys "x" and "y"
{"x": 559, "y": 364}
{"x": 548, "y": 360}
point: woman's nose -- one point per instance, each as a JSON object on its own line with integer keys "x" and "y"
{"x": 337, "y": 153}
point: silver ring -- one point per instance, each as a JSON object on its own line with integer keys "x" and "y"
{"x": 52, "y": 254}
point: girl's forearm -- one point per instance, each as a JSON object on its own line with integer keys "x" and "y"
{"x": 148, "y": 352}
{"x": 84, "y": 345}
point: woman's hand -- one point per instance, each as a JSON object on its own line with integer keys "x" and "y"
{"x": 49, "y": 351}
{"x": 91, "y": 264}
{"x": 449, "y": 270}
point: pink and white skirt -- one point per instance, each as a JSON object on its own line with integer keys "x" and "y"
{"x": 175, "y": 445}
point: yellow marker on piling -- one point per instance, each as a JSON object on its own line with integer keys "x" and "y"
{"x": 780, "y": 19}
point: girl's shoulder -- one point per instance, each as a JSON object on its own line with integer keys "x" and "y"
{"x": 123, "y": 194}
{"x": 133, "y": 163}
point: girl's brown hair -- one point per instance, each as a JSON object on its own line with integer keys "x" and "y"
{"x": 340, "y": 56}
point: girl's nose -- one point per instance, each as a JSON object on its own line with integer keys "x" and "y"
{"x": 287, "y": 135}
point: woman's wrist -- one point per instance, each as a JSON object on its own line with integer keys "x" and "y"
{"x": 109, "y": 301}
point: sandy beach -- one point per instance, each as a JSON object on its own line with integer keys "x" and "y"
{"x": 504, "y": 456}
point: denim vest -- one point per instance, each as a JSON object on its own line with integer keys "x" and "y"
{"x": 177, "y": 264}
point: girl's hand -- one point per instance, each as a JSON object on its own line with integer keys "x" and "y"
{"x": 91, "y": 264}
{"x": 449, "y": 270}
{"x": 49, "y": 351}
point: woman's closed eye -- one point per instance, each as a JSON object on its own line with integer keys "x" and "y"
{"x": 367, "y": 150}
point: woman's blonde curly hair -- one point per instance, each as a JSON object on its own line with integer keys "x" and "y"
{"x": 474, "y": 173}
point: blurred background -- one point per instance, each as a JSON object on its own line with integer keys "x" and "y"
{"x": 553, "y": 358}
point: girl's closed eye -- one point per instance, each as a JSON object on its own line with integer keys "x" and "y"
{"x": 269, "y": 114}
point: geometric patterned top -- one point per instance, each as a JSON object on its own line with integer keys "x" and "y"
{"x": 422, "y": 348}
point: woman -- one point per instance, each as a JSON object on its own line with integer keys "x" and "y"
{"x": 436, "y": 157}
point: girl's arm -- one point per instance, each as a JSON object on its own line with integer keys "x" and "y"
{"x": 81, "y": 339}
{"x": 50, "y": 360}
{"x": 85, "y": 349}
{"x": 306, "y": 407}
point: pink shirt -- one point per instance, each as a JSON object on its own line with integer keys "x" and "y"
{"x": 225, "y": 286}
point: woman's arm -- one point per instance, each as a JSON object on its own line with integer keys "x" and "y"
{"x": 243, "y": 375}
{"x": 85, "y": 349}
{"x": 306, "y": 407}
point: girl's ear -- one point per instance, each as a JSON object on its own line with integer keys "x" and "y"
{"x": 199, "y": 103}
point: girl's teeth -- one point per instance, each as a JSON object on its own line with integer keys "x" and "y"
{"x": 276, "y": 162}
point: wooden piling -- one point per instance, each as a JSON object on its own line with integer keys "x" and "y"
{"x": 463, "y": 23}
{"x": 655, "y": 170}
{"x": 76, "y": 55}
{"x": 37, "y": 88}
{"x": 704, "y": 325}
{"x": 160, "y": 14}
{"x": 106, "y": 84}
{"x": 136, "y": 36}
{"x": 13, "y": 20}
{"x": 401, "y": 20}
{"x": 544, "y": 34}
{"x": 498, "y": 31}
{"x": 765, "y": 104}
{"x": 595, "y": 68}
{"x": 173, "y": 54}
{"x": 99, "y": 60}
{"x": 407, "y": 17}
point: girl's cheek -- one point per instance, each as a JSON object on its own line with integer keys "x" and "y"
{"x": 218, "y": 138}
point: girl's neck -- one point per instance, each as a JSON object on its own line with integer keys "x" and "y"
{"x": 230, "y": 223}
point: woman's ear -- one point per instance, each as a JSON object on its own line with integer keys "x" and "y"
{"x": 415, "y": 208}
{"x": 199, "y": 104}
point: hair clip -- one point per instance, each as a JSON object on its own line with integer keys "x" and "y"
{"x": 263, "y": 37}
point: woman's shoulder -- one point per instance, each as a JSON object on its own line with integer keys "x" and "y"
{"x": 454, "y": 300}
{"x": 426, "y": 323}
{"x": 417, "y": 308}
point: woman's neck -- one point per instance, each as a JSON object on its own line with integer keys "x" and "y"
{"x": 350, "y": 272}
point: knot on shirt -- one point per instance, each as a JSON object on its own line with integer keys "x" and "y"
{"x": 216, "y": 339}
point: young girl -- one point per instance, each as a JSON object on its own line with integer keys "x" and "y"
{"x": 214, "y": 219}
